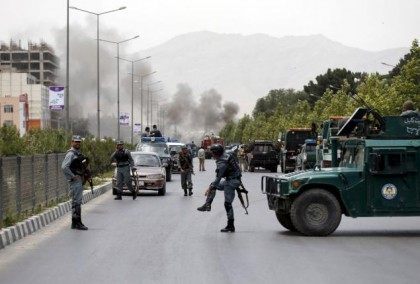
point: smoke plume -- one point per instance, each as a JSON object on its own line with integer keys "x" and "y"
{"x": 187, "y": 118}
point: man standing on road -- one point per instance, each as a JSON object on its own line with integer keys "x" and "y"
{"x": 122, "y": 157}
{"x": 226, "y": 167}
{"x": 186, "y": 166}
{"x": 73, "y": 169}
{"x": 242, "y": 158}
{"x": 201, "y": 154}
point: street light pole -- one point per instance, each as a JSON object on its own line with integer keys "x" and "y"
{"x": 148, "y": 99}
{"x": 151, "y": 105}
{"x": 118, "y": 78}
{"x": 132, "y": 93}
{"x": 98, "y": 132}
{"x": 67, "y": 70}
{"x": 141, "y": 95}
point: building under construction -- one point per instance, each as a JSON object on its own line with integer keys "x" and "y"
{"x": 39, "y": 60}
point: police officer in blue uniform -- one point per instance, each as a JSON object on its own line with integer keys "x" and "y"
{"x": 226, "y": 167}
{"x": 124, "y": 162}
{"x": 73, "y": 169}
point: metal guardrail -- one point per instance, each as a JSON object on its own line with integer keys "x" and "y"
{"x": 30, "y": 182}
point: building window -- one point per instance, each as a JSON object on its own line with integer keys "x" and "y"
{"x": 8, "y": 108}
{"x": 8, "y": 123}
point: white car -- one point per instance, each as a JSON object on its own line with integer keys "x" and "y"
{"x": 150, "y": 173}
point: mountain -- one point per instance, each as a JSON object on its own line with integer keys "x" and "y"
{"x": 245, "y": 68}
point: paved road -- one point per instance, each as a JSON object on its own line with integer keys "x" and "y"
{"x": 166, "y": 240}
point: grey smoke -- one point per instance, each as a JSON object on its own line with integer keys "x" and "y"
{"x": 83, "y": 76}
{"x": 192, "y": 118}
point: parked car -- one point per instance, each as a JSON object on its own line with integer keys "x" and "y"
{"x": 158, "y": 145}
{"x": 263, "y": 154}
{"x": 174, "y": 149}
{"x": 150, "y": 173}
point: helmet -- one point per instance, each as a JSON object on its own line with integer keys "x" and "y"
{"x": 217, "y": 150}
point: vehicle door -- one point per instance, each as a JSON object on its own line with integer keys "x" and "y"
{"x": 393, "y": 180}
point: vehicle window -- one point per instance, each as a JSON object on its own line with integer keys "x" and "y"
{"x": 176, "y": 148}
{"x": 353, "y": 158}
{"x": 146, "y": 160}
{"x": 159, "y": 149}
{"x": 310, "y": 148}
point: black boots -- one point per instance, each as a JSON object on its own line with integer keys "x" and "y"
{"x": 205, "y": 207}
{"x": 185, "y": 192}
{"x": 190, "y": 192}
{"x": 118, "y": 197}
{"x": 134, "y": 194}
{"x": 76, "y": 223}
{"x": 229, "y": 228}
{"x": 76, "y": 220}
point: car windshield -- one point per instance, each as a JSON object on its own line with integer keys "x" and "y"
{"x": 262, "y": 148}
{"x": 353, "y": 157}
{"x": 310, "y": 148}
{"x": 176, "y": 148}
{"x": 145, "y": 160}
{"x": 155, "y": 148}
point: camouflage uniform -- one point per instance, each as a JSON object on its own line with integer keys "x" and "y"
{"x": 186, "y": 166}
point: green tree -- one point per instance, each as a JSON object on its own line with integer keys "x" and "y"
{"x": 10, "y": 141}
{"x": 333, "y": 80}
{"x": 285, "y": 97}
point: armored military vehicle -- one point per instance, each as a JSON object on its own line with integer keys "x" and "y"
{"x": 378, "y": 175}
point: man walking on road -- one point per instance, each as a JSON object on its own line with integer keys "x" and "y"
{"x": 201, "y": 154}
{"x": 124, "y": 162}
{"x": 73, "y": 167}
{"x": 186, "y": 166}
{"x": 226, "y": 167}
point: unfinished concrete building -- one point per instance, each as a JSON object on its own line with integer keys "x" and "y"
{"x": 39, "y": 60}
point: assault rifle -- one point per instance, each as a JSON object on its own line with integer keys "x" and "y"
{"x": 87, "y": 173}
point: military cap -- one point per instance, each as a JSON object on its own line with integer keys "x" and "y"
{"x": 120, "y": 142}
{"x": 76, "y": 138}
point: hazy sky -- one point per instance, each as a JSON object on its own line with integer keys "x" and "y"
{"x": 366, "y": 24}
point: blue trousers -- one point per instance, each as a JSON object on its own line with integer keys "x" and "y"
{"x": 228, "y": 187}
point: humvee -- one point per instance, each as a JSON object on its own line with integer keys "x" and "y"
{"x": 378, "y": 175}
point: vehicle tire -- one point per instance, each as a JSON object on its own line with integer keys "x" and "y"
{"x": 168, "y": 174}
{"x": 273, "y": 169}
{"x": 251, "y": 168}
{"x": 162, "y": 191}
{"x": 316, "y": 212}
{"x": 285, "y": 220}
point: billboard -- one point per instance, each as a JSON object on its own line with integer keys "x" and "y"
{"x": 56, "y": 101}
{"x": 137, "y": 128}
{"x": 125, "y": 118}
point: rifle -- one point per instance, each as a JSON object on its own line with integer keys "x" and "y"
{"x": 239, "y": 190}
{"x": 87, "y": 173}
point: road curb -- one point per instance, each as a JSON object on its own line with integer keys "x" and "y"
{"x": 29, "y": 226}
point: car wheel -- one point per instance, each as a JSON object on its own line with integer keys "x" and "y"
{"x": 162, "y": 191}
{"x": 274, "y": 169}
{"x": 168, "y": 174}
{"x": 251, "y": 168}
{"x": 285, "y": 220}
{"x": 316, "y": 212}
